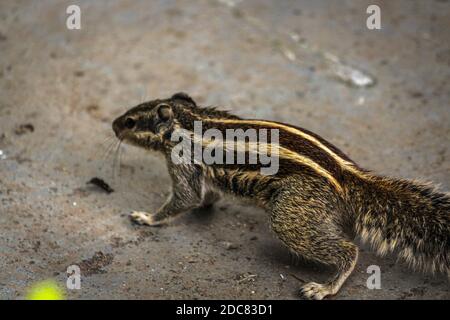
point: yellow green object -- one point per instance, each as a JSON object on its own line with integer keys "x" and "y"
{"x": 45, "y": 290}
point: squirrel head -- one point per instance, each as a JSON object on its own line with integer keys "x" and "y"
{"x": 148, "y": 124}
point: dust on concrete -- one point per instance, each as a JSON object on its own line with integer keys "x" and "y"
{"x": 96, "y": 263}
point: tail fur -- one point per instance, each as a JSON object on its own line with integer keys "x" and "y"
{"x": 407, "y": 217}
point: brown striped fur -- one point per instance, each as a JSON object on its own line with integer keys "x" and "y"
{"x": 318, "y": 200}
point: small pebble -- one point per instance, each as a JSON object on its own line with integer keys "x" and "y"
{"x": 229, "y": 245}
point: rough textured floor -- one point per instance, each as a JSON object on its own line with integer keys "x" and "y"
{"x": 60, "y": 90}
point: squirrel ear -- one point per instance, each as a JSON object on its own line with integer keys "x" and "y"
{"x": 183, "y": 96}
{"x": 164, "y": 112}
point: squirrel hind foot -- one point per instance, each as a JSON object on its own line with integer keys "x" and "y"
{"x": 315, "y": 291}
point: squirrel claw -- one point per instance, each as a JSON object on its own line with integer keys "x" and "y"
{"x": 314, "y": 291}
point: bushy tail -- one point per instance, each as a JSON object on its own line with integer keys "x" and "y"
{"x": 408, "y": 217}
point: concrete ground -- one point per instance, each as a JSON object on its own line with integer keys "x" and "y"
{"x": 282, "y": 60}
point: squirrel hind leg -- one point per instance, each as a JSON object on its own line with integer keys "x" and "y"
{"x": 318, "y": 291}
{"x": 309, "y": 232}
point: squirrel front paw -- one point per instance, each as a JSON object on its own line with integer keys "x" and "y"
{"x": 144, "y": 218}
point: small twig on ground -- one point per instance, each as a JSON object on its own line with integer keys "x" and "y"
{"x": 297, "y": 278}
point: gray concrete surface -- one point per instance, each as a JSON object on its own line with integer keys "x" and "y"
{"x": 264, "y": 59}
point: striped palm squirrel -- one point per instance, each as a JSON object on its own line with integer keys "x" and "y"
{"x": 319, "y": 200}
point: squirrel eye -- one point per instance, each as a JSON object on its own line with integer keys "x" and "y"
{"x": 129, "y": 123}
